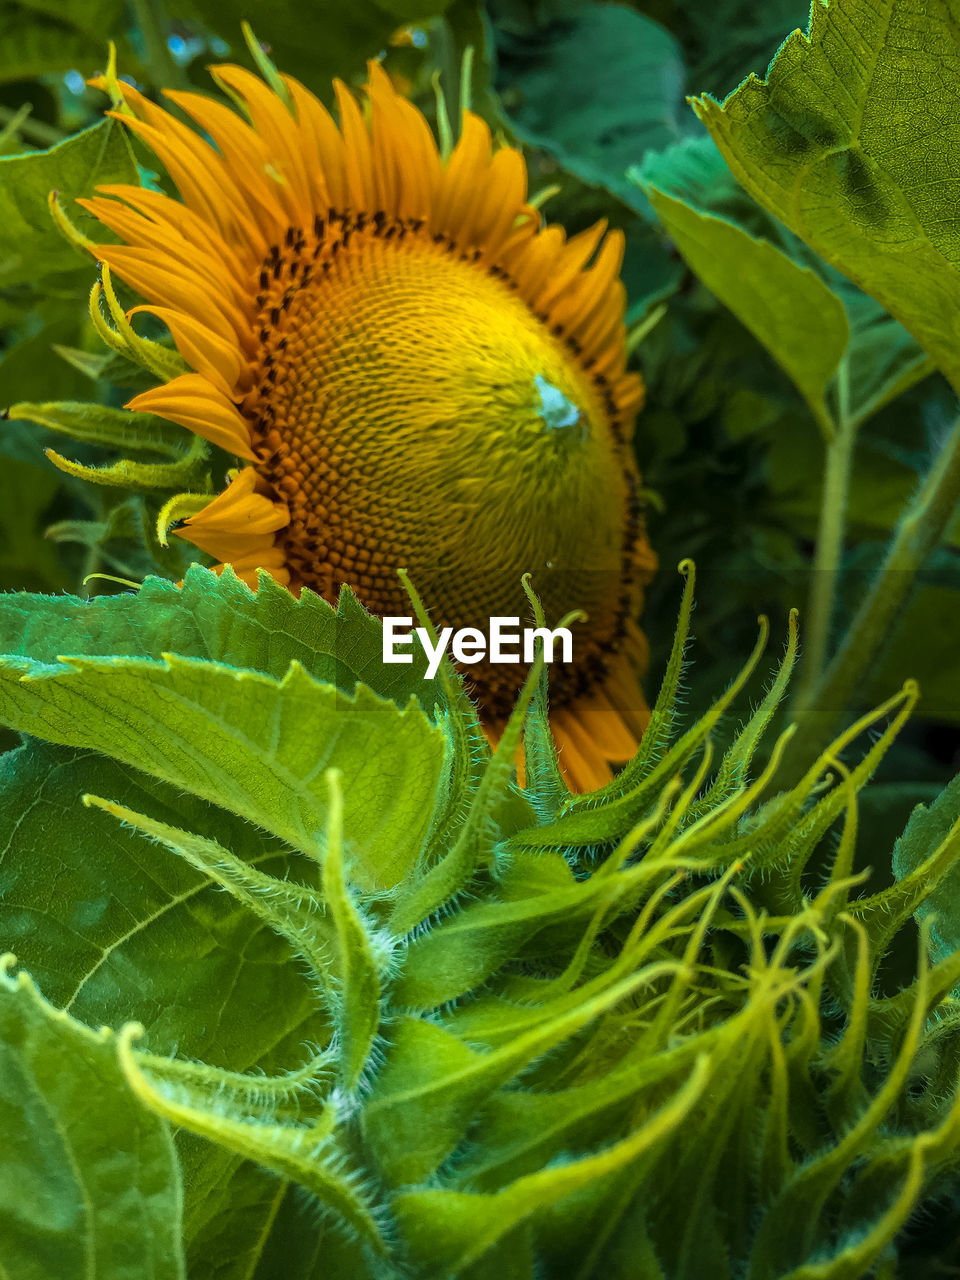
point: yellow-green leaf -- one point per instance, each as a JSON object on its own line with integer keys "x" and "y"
{"x": 89, "y": 1183}
{"x": 787, "y": 307}
{"x": 252, "y": 744}
{"x": 854, "y": 142}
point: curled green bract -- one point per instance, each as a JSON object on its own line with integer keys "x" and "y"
{"x": 543, "y": 1032}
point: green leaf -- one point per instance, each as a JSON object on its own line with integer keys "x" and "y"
{"x": 358, "y": 995}
{"x": 785, "y": 306}
{"x": 460, "y": 953}
{"x": 928, "y": 830}
{"x": 883, "y": 358}
{"x": 236, "y": 1218}
{"x": 693, "y": 170}
{"x": 307, "y": 1154}
{"x": 254, "y": 745}
{"x": 433, "y": 1083}
{"x": 264, "y": 1226}
{"x": 108, "y": 366}
{"x": 27, "y": 558}
{"x": 185, "y": 466}
{"x": 98, "y": 424}
{"x": 90, "y": 1185}
{"x": 116, "y": 927}
{"x": 595, "y": 93}
{"x": 33, "y": 248}
{"x": 268, "y": 1228}
{"x": 853, "y": 142}
{"x": 217, "y": 617}
{"x": 292, "y": 910}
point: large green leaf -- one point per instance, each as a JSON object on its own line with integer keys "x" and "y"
{"x": 217, "y": 617}
{"x": 882, "y": 358}
{"x": 453, "y": 1229}
{"x": 693, "y": 170}
{"x": 231, "y": 1113}
{"x": 117, "y": 928}
{"x": 89, "y": 1185}
{"x": 255, "y": 745}
{"x": 853, "y": 141}
{"x": 238, "y": 1219}
{"x": 33, "y": 248}
{"x": 786, "y": 307}
{"x": 595, "y": 92}
{"x": 302, "y": 1246}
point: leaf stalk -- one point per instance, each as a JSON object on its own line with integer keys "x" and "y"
{"x": 918, "y": 534}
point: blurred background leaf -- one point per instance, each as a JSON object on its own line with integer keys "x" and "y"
{"x": 34, "y": 251}
{"x": 595, "y": 92}
{"x": 315, "y": 41}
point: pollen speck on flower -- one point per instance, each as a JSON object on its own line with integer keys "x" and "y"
{"x": 557, "y": 410}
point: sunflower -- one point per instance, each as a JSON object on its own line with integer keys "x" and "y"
{"x": 411, "y": 370}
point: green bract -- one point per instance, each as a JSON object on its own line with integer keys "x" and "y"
{"x": 296, "y": 981}
{"x": 528, "y": 1033}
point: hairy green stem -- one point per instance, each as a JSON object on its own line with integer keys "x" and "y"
{"x": 830, "y": 533}
{"x": 918, "y": 533}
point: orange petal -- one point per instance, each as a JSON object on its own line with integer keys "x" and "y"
{"x": 218, "y": 360}
{"x": 193, "y": 402}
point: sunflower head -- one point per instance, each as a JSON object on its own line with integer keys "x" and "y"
{"x": 412, "y": 370}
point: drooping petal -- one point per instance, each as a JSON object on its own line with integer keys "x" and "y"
{"x": 238, "y": 523}
{"x": 209, "y": 354}
{"x": 194, "y": 402}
